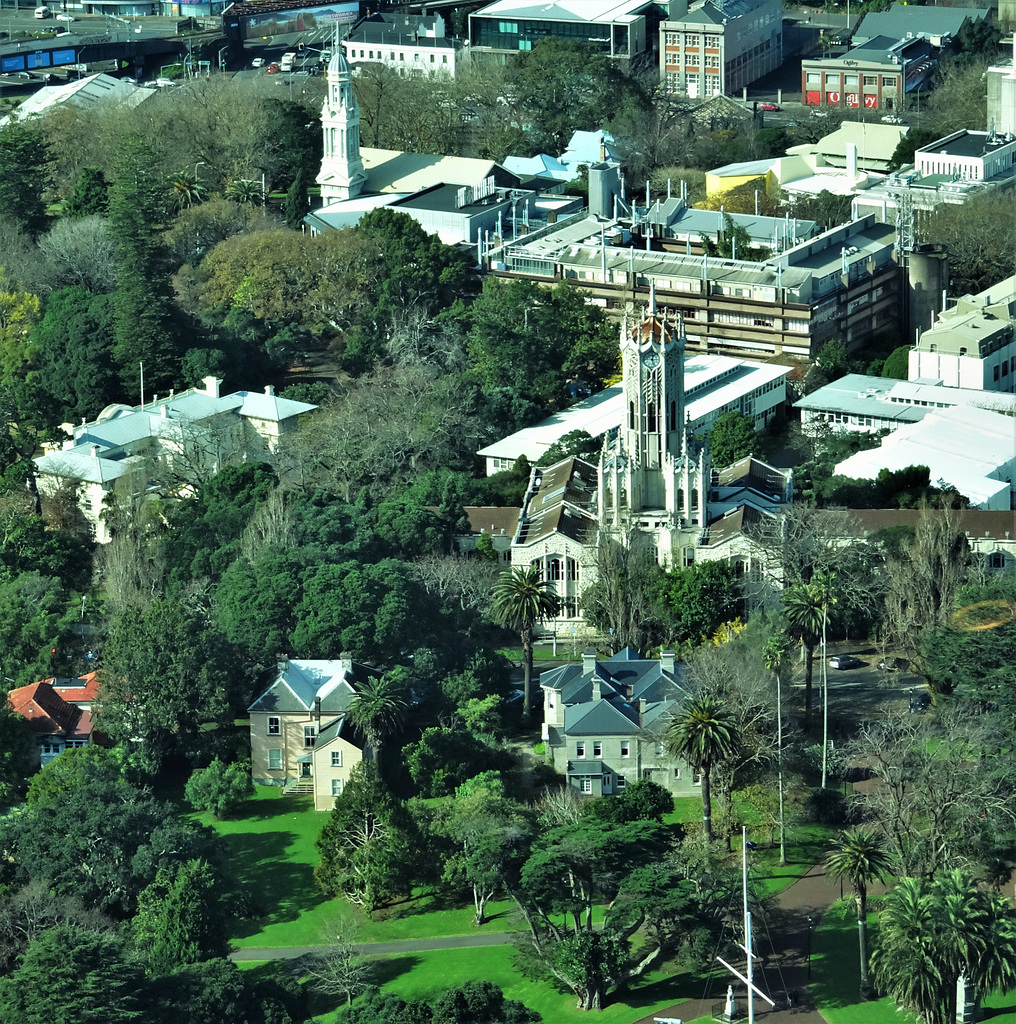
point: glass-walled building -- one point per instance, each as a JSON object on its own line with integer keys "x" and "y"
{"x": 615, "y": 27}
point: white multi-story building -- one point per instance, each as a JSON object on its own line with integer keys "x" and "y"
{"x": 718, "y": 47}
{"x": 971, "y": 156}
{"x": 972, "y": 345}
{"x": 409, "y": 44}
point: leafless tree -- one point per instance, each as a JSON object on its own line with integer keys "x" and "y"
{"x": 78, "y": 251}
{"x": 271, "y": 525}
{"x": 466, "y": 581}
{"x": 938, "y": 802}
{"x": 337, "y": 967}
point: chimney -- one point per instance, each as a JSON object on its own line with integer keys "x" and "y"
{"x": 211, "y": 386}
{"x": 95, "y": 451}
{"x": 270, "y": 390}
{"x": 164, "y": 412}
{"x": 667, "y": 661}
{"x": 597, "y": 690}
{"x": 317, "y": 711}
{"x": 588, "y": 662}
{"x": 283, "y": 664}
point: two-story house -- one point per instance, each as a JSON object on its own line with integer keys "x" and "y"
{"x": 605, "y": 722}
{"x": 300, "y": 737}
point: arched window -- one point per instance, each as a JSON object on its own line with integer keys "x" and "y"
{"x": 651, "y": 417}
{"x": 673, "y": 415}
{"x": 631, "y": 415}
{"x": 694, "y": 497}
{"x": 555, "y": 569}
{"x": 680, "y": 497}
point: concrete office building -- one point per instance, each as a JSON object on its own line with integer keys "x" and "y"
{"x": 409, "y": 44}
{"x": 716, "y": 48}
{"x": 843, "y": 283}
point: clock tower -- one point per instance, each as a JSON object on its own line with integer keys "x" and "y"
{"x": 653, "y": 476}
{"x": 342, "y": 175}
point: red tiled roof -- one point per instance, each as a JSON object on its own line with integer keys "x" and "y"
{"x": 81, "y": 690}
{"x": 45, "y": 710}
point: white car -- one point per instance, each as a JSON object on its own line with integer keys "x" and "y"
{"x": 166, "y": 83}
{"x": 257, "y": 62}
{"x": 892, "y": 119}
{"x": 65, "y": 17}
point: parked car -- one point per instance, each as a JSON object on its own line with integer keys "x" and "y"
{"x": 919, "y": 703}
{"x": 819, "y": 113}
{"x": 844, "y": 661}
{"x": 166, "y": 83}
{"x": 768, "y": 106}
{"x": 65, "y": 17}
{"x": 257, "y": 62}
{"x": 272, "y": 69}
{"x": 892, "y": 119}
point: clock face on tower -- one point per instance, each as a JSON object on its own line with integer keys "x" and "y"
{"x": 651, "y": 361}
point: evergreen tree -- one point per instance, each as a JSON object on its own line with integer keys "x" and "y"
{"x": 24, "y": 176}
{"x": 297, "y": 201}
{"x": 180, "y": 919}
{"x": 90, "y": 194}
{"x": 142, "y": 312}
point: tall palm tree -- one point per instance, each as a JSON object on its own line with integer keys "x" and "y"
{"x": 860, "y": 857}
{"x": 775, "y": 652}
{"x": 804, "y": 616}
{"x": 378, "y": 710}
{"x": 822, "y": 587}
{"x": 703, "y": 733}
{"x": 520, "y": 599}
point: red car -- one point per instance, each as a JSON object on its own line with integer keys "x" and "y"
{"x": 768, "y": 106}
{"x": 273, "y": 69}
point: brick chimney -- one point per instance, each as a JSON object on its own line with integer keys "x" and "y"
{"x": 667, "y": 661}
{"x": 588, "y": 662}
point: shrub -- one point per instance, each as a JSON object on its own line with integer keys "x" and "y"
{"x": 220, "y": 788}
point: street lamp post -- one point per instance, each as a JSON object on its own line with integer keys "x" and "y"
{"x": 200, "y": 163}
{"x": 809, "y": 947}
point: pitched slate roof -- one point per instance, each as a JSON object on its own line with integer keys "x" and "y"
{"x": 605, "y": 717}
{"x": 47, "y": 713}
{"x": 297, "y": 684}
{"x": 587, "y": 768}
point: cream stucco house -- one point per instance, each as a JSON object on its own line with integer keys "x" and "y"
{"x": 300, "y": 737}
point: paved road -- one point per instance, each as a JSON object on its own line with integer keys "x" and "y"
{"x": 372, "y": 948}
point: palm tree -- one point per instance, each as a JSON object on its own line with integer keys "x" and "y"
{"x": 377, "y": 710}
{"x": 822, "y": 588}
{"x": 186, "y": 189}
{"x": 804, "y": 616}
{"x": 775, "y": 652}
{"x": 933, "y": 934}
{"x": 859, "y": 856}
{"x": 245, "y": 191}
{"x": 520, "y": 599}
{"x": 703, "y": 733}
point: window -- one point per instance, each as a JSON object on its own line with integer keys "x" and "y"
{"x": 444, "y": 60}
{"x": 996, "y": 560}
{"x": 50, "y": 747}
{"x": 621, "y": 782}
{"x": 336, "y": 758}
{"x": 309, "y": 735}
{"x": 677, "y": 773}
{"x": 995, "y": 377}
{"x": 586, "y": 786}
{"x": 555, "y": 569}
{"x": 580, "y": 749}
{"x": 597, "y": 748}
{"x": 1005, "y": 367}
{"x": 336, "y": 787}
{"x": 871, "y": 80}
{"x": 274, "y": 726}
{"x": 275, "y": 759}
{"x": 712, "y": 41}
{"x": 658, "y": 749}
{"x": 625, "y": 748}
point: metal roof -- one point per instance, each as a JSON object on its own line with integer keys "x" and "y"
{"x": 566, "y": 10}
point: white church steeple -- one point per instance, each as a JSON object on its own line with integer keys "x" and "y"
{"x": 342, "y": 175}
